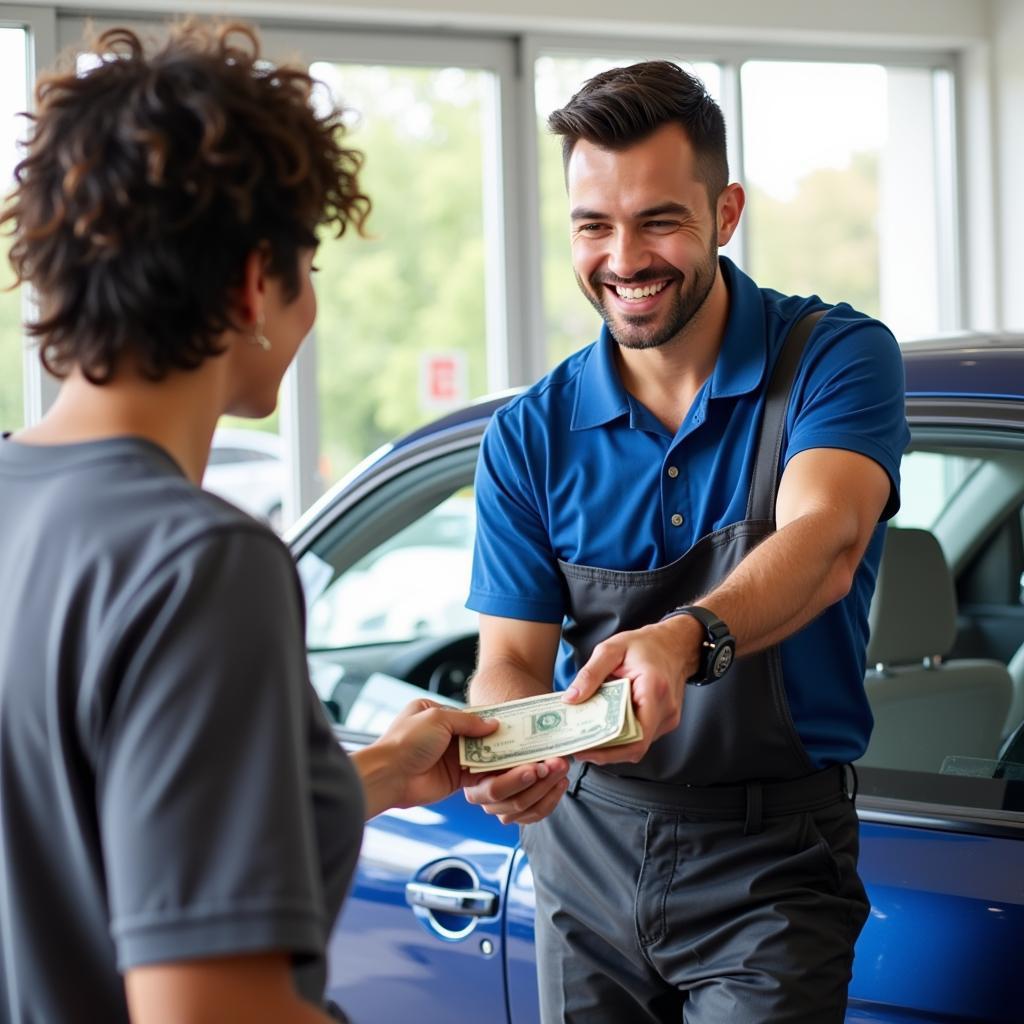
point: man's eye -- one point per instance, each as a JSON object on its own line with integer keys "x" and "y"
{"x": 662, "y": 225}
{"x": 590, "y": 229}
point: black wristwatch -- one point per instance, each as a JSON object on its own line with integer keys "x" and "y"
{"x": 718, "y": 649}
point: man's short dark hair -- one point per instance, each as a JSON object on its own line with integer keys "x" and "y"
{"x": 150, "y": 178}
{"x": 623, "y": 106}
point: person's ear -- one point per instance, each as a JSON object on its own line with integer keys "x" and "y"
{"x": 730, "y": 205}
{"x": 251, "y": 294}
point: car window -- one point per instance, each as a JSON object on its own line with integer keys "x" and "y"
{"x": 385, "y": 590}
{"x": 929, "y": 480}
{"x": 948, "y": 722}
{"x": 413, "y": 585}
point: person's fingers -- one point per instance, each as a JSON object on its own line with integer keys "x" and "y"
{"x": 497, "y": 787}
{"x": 514, "y": 791}
{"x": 657, "y": 703}
{"x": 464, "y": 723}
{"x": 603, "y": 662}
{"x": 414, "y": 707}
{"x": 532, "y": 804}
{"x": 631, "y": 752}
{"x": 542, "y": 808}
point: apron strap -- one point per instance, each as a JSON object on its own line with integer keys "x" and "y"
{"x": 764, "y": 483}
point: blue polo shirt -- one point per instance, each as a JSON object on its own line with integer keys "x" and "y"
{"x": 575, "y": 468}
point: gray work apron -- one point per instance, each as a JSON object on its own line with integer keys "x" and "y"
{"x": 738, "y": 728}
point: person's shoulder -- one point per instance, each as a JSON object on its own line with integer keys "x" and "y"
{"x": 554, "y": 393}
{"x": 840, "y": 325}
{"x": 134, "y": 507}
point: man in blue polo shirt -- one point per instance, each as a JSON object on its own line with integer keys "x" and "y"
{"x": 698, "y": 497}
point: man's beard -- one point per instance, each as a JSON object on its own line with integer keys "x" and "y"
{"x": 639, "y": 332}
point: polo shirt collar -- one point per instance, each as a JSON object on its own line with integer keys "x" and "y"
{"x": 739, "y": 369}
{"x": 600, "y": 394}
{"x": 742, "y": 360}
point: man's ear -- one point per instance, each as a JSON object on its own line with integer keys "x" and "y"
{"x": 729, "y": 207}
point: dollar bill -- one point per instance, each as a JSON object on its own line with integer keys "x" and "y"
{"x": 534, "y": 728}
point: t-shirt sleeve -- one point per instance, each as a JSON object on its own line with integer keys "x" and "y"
{"x": 205, "y": 815}
{"x": 851, "y": 396}
{"x": 515, "y": 571}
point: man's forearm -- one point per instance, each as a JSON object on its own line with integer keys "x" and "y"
{"x": 788, "y": 580}
{"x": 503, "y": 680}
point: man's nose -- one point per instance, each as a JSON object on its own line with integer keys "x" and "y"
{"x": 627, "y": 255}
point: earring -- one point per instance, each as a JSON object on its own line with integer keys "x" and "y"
{"x": 259, "y": 338}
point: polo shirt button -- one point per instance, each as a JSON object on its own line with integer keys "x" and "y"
{"x": 672, "y": 472}
{"x": 677, "y": 520}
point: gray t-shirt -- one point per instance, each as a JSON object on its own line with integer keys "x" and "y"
{"x": 169, "y": 786}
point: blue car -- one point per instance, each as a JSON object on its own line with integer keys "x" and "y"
{"x": 439, "y": 924}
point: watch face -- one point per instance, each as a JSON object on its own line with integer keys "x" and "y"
{"x": 723, "y": 659}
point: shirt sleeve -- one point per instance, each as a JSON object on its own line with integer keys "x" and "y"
{"x": 205, "y": 813}
{"x": 851, "y": 396}
{"x": 515, "y": 571}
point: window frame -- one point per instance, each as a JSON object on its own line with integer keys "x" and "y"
{"x": 954, "y": 423}
{"x": 517, "y": 350}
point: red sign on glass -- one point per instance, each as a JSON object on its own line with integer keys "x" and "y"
{"x": 443, "y": 379}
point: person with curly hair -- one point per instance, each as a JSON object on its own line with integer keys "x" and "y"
{"x": 178, "y": 825}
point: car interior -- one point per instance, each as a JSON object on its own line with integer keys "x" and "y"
{"x": 945, "y": 665}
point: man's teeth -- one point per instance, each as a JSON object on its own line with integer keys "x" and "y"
{"x": 640, "y": 293}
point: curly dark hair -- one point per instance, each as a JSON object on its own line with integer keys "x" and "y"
{"x": 150, "y": 178}
{"x": 622, "y": 106}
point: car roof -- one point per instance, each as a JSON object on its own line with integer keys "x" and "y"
{"x": 966, "y": 366}
{"x": 957, "y": 364}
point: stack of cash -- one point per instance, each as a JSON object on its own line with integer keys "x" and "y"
{"x": 534, "y": 728}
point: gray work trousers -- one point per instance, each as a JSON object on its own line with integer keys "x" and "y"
{"x": 646, "y": 913}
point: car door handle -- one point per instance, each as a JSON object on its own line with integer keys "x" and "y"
{"x": 471, "y": 902}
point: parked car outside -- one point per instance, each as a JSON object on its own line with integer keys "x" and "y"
{"x": 246, "y": 467}
{"x": 439, "y": 923}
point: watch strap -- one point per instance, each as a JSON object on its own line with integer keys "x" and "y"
{"x": 717, "y": 649}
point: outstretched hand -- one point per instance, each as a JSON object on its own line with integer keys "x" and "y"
{"x": 422, "y": 742}
{"x": 521, "y": 795}
{"x": 657, "y": 659}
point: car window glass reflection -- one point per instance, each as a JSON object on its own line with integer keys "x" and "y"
{"x": 413, "y": 585}
{"x": 945, "y": 677}
{"x": 393, "y": 626}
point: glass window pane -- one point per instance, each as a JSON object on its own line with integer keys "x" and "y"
{"x": 13, "y": 100}
{"x": 928, "y": 480}
{"x": 248, "y": 467}
{"x": 401, "y": 328}
{"x": 412, "y": 586}
{"x": 969, "y": 499}
{"x": 842, "y": 196}
{"x": 570, "y": 321}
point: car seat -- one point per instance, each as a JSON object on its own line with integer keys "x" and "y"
{"x": 1016, "y": 714}
{"x": 926, "y": 709}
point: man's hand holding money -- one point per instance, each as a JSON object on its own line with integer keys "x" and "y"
{"x": 658, "y": 659}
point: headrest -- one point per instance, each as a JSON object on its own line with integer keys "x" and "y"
{"x": 913, "y": 614}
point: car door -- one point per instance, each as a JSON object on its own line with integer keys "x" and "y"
{"x": 942, "y": 845}
{"x": 421, "y": 935}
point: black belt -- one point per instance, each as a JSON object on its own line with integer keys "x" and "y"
{"x": 748, "y": 802}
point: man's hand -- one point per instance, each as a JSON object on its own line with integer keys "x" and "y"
{"x": 521, "y": 795}
{"x": 658, "y": 659}
{"x": 416, "y": 760}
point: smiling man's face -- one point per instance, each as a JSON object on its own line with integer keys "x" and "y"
{"x": 644, "y": 235}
